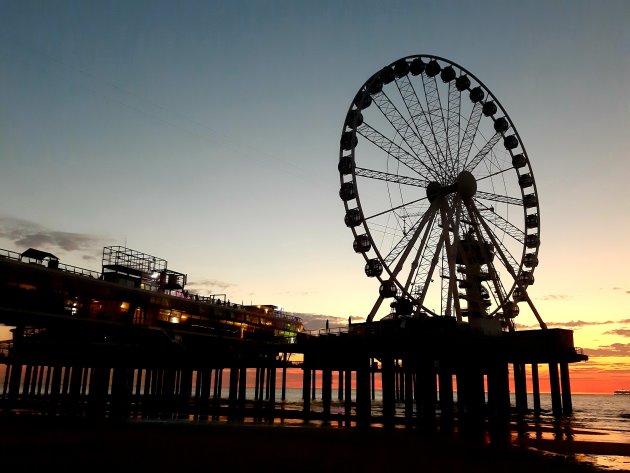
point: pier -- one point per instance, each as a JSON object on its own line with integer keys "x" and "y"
{"x": 434, "y": 375}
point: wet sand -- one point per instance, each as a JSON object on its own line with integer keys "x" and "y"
{"x": 35, "y": 444}
{"x": 569, "y": 447}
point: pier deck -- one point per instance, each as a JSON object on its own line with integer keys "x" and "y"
{"x": 433, "y": 374}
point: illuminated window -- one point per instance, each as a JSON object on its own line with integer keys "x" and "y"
{"x": 139, "y": 316}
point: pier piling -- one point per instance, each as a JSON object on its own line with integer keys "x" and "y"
{"x": 414, "y": 371}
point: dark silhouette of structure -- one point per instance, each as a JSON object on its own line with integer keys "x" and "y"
{"x": 132, "y": 341}
{"x": 70, "y": 357}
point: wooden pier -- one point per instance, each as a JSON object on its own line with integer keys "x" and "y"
{"x": 433, "y": 375}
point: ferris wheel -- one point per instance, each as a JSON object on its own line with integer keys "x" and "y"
{"x": 439, "y": 193}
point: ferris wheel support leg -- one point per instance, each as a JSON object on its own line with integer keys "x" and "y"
{"x": 454, "y": 246}
{"x": 542, "y": 324}
{"x": 428, "y": 216}
{"x": 509, "y": 268}
{"x": 434, "y": 261}
{"x": 423, "y": 243}
{"x": 498, "y": 287}
{"x": 374, "y": 310}
{"x": 450, "y": 256}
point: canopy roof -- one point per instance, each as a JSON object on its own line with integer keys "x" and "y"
{"x": 38, "y": 254}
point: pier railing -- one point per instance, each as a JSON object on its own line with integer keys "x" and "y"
{"x": 15, "y": 256}
{"x": 334, "y": 331}
{"x": 12, "y": 255}
{"x": 79, "y": 271}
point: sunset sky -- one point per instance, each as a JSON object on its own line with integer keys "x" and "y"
{"x": 207, "y": 133}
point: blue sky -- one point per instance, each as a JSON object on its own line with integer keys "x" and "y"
{"x": 207, "y": 133}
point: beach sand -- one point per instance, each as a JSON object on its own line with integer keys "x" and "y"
{"x": 41, "y": 444}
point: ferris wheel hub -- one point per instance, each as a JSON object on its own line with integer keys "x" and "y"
{"x": 465, "y": 185}
{"x": 434, "y": 191}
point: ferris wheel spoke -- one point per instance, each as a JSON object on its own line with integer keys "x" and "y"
{"x": 414, "y": 108}
{"x": 508, "y": 259}
{"x": 414, "y": 265}
{"x": 483, "y": 152}
{"x": 435, "y": 131}
{"x": 503, "y": 254}
{"x": 435, "y": 117}
{"x": 394, "y": 150}
{"x": 398, "y": 123}
{"x": 482, "y": 217}
{"x": 395, "y": 208}
{"x": 513, "y": 273}
{"x": 384, "y": 230}
{"x": 401, "y": 245}
{"x": 470, "y": 133}
{"x": 428, "y": 261}
{"x": 501, "y": 223}
{"x": 499, "y": 290}
{"x": 406, "y": 131}
{"x": 498, "y": 198}
{"x": 453, "y": 125}
{"x": 501, "y": 171}
{"x": 452, "y": 295}
{"x": 387, "y": 177}
{"x": 419, "y": 120}
{"x": 428, "y": 216}
{"x": 407, "y": 237}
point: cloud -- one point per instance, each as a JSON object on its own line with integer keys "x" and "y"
{"x": 293, "y": 293}
{"x": 575, "y": 324}
{"x": 211, "y": 285}
{"x": 584, "y": 323}
{"x": 602, "y": 365}
{"x": 25, "y": 234}
{"x": 624, "y": 332}
{"x": 555, "y": 297}
{"x": 318, "y": 321}
{"x": 616, "y": 349}
{"x": 518, "y": 326}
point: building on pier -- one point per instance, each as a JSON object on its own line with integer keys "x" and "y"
{"x": 132, "y": 289}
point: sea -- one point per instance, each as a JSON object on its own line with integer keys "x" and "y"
{"x": 596, "y": 418}
{"x": 600, "y": 418}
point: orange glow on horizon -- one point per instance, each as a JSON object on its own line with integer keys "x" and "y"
{"x": 591, "y": 377}
{"x": 598, "y": 375}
